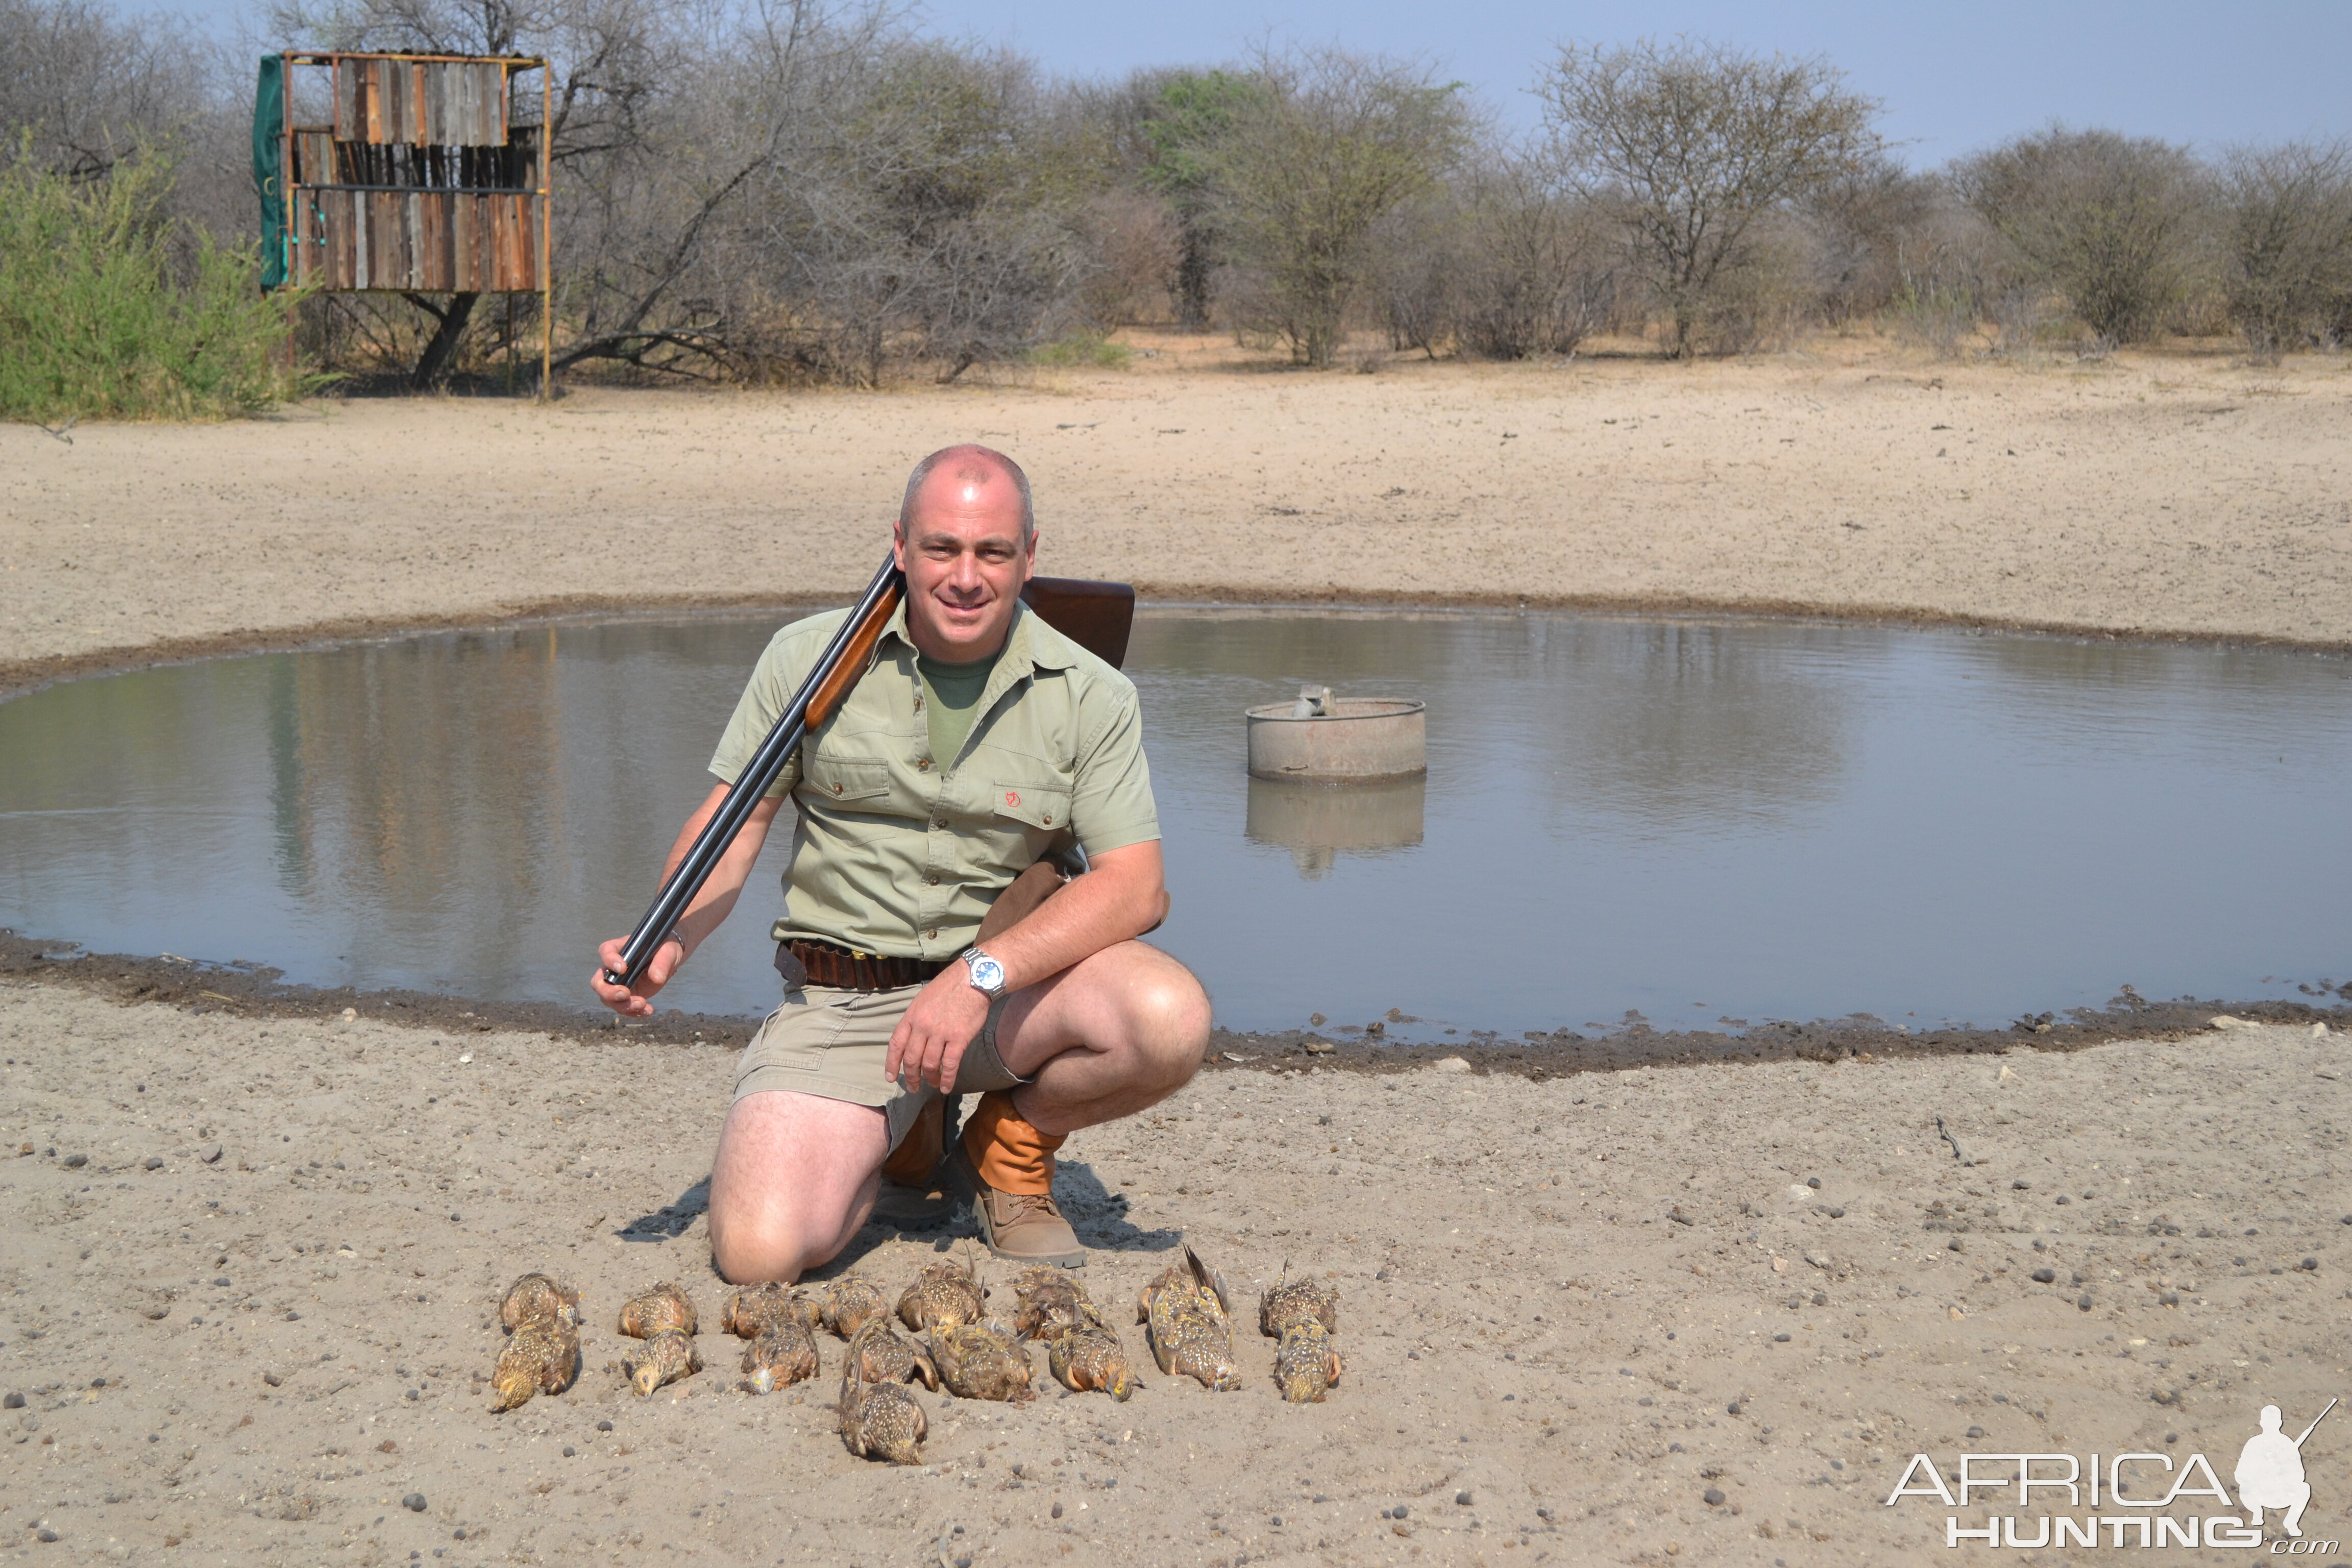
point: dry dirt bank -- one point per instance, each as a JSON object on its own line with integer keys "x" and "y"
{"x": 1553, "y": 1296}
{"x": 2154, "y": 496}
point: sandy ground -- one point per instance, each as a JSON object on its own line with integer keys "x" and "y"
{"x": 2156, "y": 495}
{"x": 1568, "y": 1309}
{"x": 1554, "y": 1294}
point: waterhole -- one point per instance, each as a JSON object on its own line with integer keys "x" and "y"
{"x": 1679, "y": 822}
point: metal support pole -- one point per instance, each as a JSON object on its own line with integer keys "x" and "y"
{"x": 546, "y": 231}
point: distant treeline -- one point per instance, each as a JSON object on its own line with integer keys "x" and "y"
{"x": 763, "y": 190}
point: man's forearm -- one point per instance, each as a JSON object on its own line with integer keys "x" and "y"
{"x": 1120, "y": 899}
{"x": 712, "y": 905}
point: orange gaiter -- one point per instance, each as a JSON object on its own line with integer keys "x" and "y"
{"x": 1011, "y": 1155}
{"x": 918, "y": 1155}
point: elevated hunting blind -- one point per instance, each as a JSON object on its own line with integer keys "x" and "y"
{"x": 405, "y": 173}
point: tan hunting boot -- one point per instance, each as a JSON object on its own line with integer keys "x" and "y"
{"x": 1005, "y": 1166}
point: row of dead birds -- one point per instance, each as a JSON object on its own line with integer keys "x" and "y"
{"x": 1186, "y": 1312}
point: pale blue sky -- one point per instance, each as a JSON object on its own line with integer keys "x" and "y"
{"x": 1953, "y": 78}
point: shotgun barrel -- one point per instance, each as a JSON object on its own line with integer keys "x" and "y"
{"x": 828, "y": 682}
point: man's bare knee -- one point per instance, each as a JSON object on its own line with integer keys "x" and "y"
{"x": 749, "y": 1254}
{"x": 792, "y": 1182}
{"x": 745, "y": 1253}
{"x": 1171, "y": 1018}
{"x": 778, "y": 1240}
{"x": 752, "y": 1237}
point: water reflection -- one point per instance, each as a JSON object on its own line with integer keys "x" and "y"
{"x": 1687, "y": 818}
{"x": 421, "y": 787}
{"x": 1670, "y": 723}
{"x": 1319, "y": 822}
{"x": 454, "y": 812}
{"x": 2075, "y": 695}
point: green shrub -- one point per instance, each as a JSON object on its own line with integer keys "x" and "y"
{"x": 1083, "y": 349}
{"x": 2287, "y": 243}
{"x": 2108, "y": 221}
{"x": 1328, "y": 145}
{"x": 1935, "y": 315}
{"x": 110, "y": 309}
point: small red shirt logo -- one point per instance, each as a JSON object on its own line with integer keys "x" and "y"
{"x": 1013, "y": 797}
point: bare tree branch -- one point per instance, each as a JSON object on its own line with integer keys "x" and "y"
{"x": 1695, "y": 143}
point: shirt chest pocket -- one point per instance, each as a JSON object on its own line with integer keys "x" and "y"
{"x": 1039, "y": 805}
{"x": 846, "y": 781}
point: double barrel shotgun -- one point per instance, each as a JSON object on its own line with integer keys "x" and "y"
{"x": 1095, "y": 616}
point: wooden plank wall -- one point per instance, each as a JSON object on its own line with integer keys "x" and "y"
{"x": 314, "y": 158}
{"x": 430, "y": 241}
{"x": 448, "y": 103}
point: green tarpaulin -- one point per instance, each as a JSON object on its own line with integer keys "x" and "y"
{"x": 268, "y": 176}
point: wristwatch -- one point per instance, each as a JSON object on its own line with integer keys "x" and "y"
{"x": 987, "y": 974}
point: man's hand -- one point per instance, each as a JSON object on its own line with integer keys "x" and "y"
{"x": 701, "y": 918}
{"x": 636, "y": 1002}
{"x": 1123, "y": 896}
{"x": 929, "y": 1044}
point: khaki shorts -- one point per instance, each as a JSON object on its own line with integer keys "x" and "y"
{"x": 835, "y": 1044}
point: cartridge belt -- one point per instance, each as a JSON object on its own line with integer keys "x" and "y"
{"x": 848, "y": 969}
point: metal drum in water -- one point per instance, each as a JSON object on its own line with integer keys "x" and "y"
{"x": 1349, "y": 737}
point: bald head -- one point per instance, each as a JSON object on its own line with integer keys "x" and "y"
{"x": 969, "y": 472}
{"x": 967, "y": 542}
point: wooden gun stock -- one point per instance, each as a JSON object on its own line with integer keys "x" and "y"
{"x": 856, "y": 656}
{"x": 1097, "y": 616}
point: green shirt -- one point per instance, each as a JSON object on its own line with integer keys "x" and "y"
{"x": 951, "y": 699}
{"x": 899, "y": 849}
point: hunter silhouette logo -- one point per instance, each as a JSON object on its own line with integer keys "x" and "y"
{"x": 1013, "y": 797}
{"x": 2270, "y": 1471}
{"x": 2131, "y": 1495}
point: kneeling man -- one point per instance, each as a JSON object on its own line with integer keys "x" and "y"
{"x": 978, "y": 743}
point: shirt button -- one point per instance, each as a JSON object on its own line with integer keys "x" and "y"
{"x": 925, "y": 765}
{"x": 938, "y": 822}
{"x": 1049, "y": 820}
{"x": 933, "y": 880}
{"x": 930, "y": 933}
{"x": 836, "y": 789}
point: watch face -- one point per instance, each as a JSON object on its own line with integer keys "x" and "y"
{"x": 986, "y": 973}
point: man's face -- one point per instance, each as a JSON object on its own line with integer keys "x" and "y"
{"x": 965, "y": 563}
